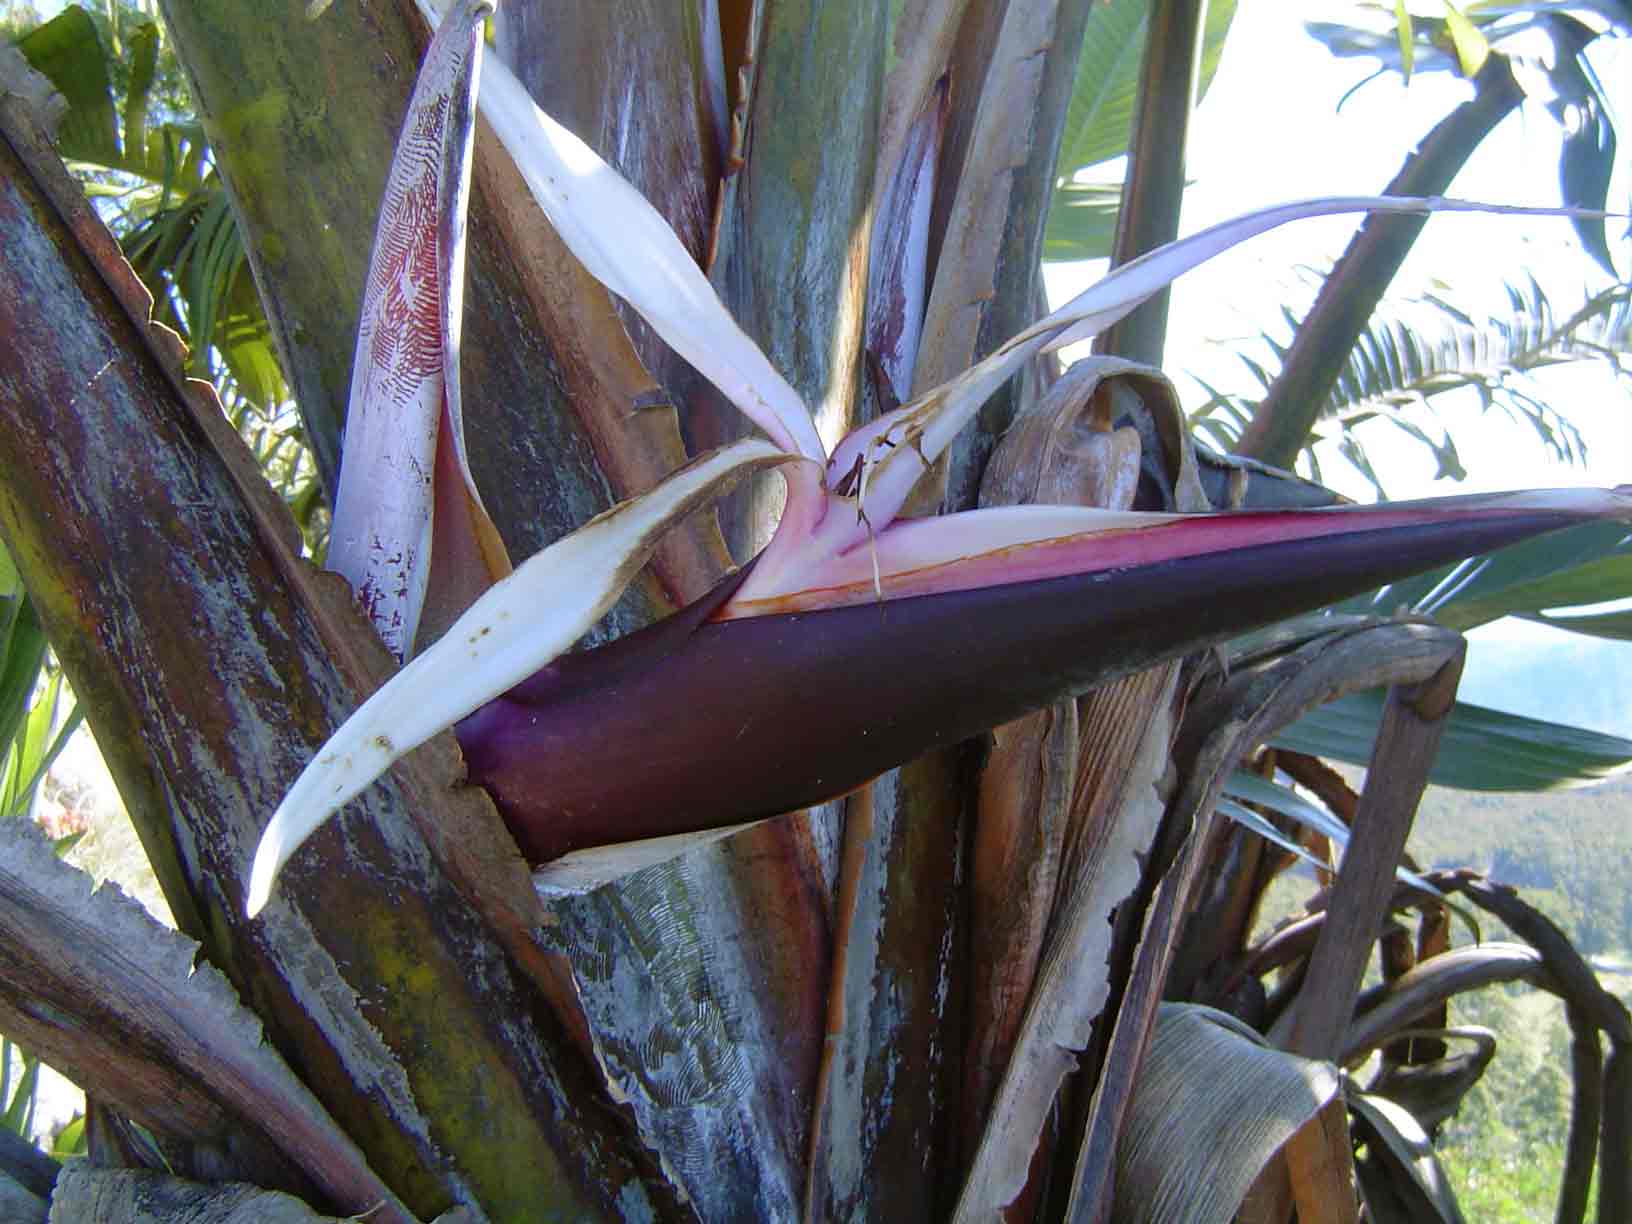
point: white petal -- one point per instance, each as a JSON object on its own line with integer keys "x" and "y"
{"x": 627, "y": 246}
{"x": 507, "y": 635}
{"x": 406, "y": 366}
{"x": 895, "y": 448}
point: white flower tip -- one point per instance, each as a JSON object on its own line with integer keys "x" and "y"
{"x": 261, "y": 875}
{"x": 281, "y": 839}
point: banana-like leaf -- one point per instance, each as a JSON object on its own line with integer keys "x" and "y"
{"x": 1100, "y": 116}
{"x": 1288, "y": 803}
{"x": 511, "y": 632}
{"x": 1213, "y": 1106}
{"x": 1399, "y": 1145}
{"x": 1585, "y": 565}
{"x": 1482, "y": 749}
{"x": 1082, "y": 221}
{"x": 1099, "y": 121}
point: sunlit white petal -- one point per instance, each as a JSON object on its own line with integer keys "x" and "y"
{"x": 627, "y": 246}
{"x": 507, "y": 635}
{"x": 895, "y": 449}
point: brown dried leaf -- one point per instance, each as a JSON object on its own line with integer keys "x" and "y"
{"x": 123, "y": 1006}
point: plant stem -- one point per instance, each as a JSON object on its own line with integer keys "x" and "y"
{"x": 1281, "y": 426}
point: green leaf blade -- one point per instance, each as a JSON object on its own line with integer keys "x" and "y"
{"x": 1482, "y": 749}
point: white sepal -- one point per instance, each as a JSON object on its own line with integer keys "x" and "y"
{"x": 892, "y": 452}
{"x": 627, "y": 246}
{"x": 405, "y": 372}
{"x": 508, "y": 634}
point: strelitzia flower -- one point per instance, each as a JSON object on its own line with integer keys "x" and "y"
{"x": 857, "y": 639}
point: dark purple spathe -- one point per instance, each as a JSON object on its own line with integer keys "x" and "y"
{"x": 697, "y": 723}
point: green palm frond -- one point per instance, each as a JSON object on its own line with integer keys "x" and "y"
{"x": 1418, "y": 351}
{"x": 146, "y": 162}
{"x": 1397, "y": 362}
{"x": 151, "y": 170}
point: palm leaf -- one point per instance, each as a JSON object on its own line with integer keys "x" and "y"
{"x": 1398, "y": 363}
{"x": 1482, "y": 749}
{"x": 1099, "y": 120}
{"x": 181, "y": 228}
{"x": 1404, "y": 360}
{"x": 68, "y": 51}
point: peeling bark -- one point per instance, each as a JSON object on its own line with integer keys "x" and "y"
{"x": 154, "y": 549}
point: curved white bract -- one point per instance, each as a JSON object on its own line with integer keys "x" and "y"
{"x": 895, "y": 449}
{"x": 627, "y": 246}
{"x": 507, "y": 635}
{"x": 405, "y": 372}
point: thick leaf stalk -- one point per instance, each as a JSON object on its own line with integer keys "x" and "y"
{"x": 1280, "y": 426}
{"x": 153, "y": 548}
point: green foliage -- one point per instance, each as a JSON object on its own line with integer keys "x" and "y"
{"x": 147, "y": 163}
{"x": 178, "y": 229}
{"x": 1485, "y": 749}
{"x": 1569, "y": 852}
{"x": 22, "y": 649}
{"x": 1570, "y": 855}
{"x": 1505, "y": 1149}
{"x": 1099, "y": 118}
{"x": 1405, "y": 360}
{"x": 1482, "y": 750}
{"x": 1563, "y": 78}
{"x": 70, "y": 1140}
{"x": 20, "y": 1094}
{"x": 31, "y": 736}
